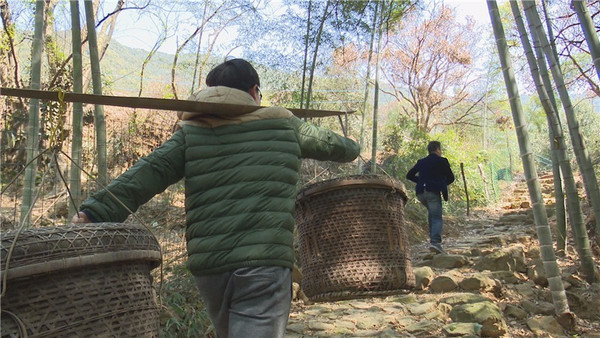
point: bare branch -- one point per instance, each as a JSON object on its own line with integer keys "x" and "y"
{"x": 120, "y": 8}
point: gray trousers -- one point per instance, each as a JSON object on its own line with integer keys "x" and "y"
{"x": 248, "y": 302}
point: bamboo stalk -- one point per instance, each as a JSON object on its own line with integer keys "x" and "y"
{"x": 33, "y": 126}
{"x": 99, "y": 117}
{"x": 559, "y": 297}
{"x": 77, "y": 123}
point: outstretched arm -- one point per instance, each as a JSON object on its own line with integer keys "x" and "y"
{"x": 323, "y": 144}
{"x": 146, "y": 178}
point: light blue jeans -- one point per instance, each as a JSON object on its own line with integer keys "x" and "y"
{"x": 248, "y": 302}
{"x": 433, "y": 202}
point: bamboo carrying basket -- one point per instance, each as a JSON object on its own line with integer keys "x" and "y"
{"x": 89, "y": 280}
{"x": 352, "y": 238}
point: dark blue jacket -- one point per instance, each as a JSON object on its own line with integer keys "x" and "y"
{"x": 434, "y": 174}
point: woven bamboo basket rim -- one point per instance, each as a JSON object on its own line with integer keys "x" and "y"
{"x": 59, "y": 248}
{"x": 362, "y": 181}
{"x": 151, "y": 256}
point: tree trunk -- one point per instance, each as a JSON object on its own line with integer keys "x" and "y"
{"x": 106, "y": 32}
{"x": 99, "y": 121}
{"x": 583, "y": 160}
{"x": 559, "y": 296}
{"x": 197, "y": 61}
{"x": 590, "y": 36}
{"x": 52, "y": 121}
{"x": 33, "y": 126}
{"x": 9, "y": 30}
{"x": 559, "y": 194}
{"x": 361, "y": 140}
{"x": 75, "y": 174}
{"x": 304, "y": 65}
{"x": 13, "y": 111}
{"x": 153, "y": 51}
{"x": 176, "y": 58}
{"x": 549, "y": 28}
{"x": 561, "y": 222}
{"x": 54, "y": 56}
{"x": 316, "y": 52}
{"x": 376, "y": 95}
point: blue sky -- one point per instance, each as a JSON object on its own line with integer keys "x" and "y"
{"x": 143, "y": 33}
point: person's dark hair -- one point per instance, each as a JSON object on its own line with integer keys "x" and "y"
{"x": 433, "y": 146}
{"x": 234, "y": 73}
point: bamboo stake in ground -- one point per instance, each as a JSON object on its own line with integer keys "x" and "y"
{"x": 462, "y": 171}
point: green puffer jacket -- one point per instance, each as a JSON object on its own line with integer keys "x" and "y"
{"x": 241, "y": 176}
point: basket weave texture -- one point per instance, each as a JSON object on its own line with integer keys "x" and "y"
{"x": 89, "y": 280}
{"x": 352, "y": 238}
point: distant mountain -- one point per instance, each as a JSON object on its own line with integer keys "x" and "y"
{"x": 122, "y": 66}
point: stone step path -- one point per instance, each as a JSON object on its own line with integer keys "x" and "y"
{"x": 491, "y": 283}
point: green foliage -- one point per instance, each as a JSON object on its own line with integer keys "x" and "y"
{"x": 186, "y": 315}
{"x": 404, "y": 144}
{"x": 167, "y": 92}
{"x": 401, "y": 135}
{"x": 589, "y": 124}
{"x": 6, "y": 35}
{"x": 54, "y": 113}
{"x": 107, "y": 84}
{"x": 54, "y": 52}
{"x": 351, "y": 14}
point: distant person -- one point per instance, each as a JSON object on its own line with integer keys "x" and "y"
{"x": 241, "y": 175}
{"x": 433, "y": 175}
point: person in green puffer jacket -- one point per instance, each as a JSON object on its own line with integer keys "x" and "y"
{"x": 241, "y": 174}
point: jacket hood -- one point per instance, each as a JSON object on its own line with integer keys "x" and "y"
{"x": 218, "y": 94}
{"x": 221, "y": 94}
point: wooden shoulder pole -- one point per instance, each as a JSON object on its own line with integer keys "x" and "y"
{"x": 158, "y": 104}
